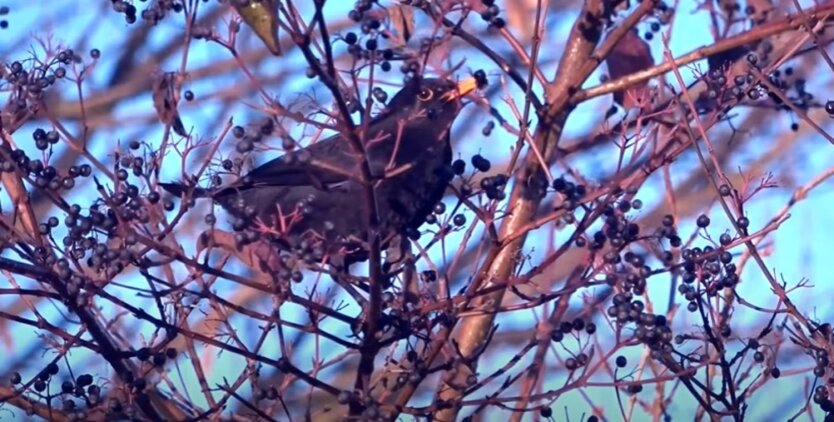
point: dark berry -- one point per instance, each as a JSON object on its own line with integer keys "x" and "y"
{"x": 351, "y": 38}
{"x": 458, "y": 167}
{"x": 380, "y": 95}
{"x": 480, "y": 78}
{"x": 480, "y": 163}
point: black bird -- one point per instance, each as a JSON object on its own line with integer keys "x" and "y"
{"x": 314, "y": 197}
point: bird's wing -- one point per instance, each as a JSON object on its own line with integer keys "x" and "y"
{"x": 320, "y": 165}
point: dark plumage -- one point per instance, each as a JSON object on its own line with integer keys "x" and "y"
{"x": 317, "y": 190}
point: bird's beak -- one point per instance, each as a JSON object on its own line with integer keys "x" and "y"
{"x": 464, "y": 87}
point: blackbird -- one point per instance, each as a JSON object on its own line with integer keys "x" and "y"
{"x": 314, "y": 196}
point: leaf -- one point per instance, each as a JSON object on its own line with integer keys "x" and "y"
{"x": 165, "y": 91}
{"x": 631, "y": 54}
{"x": 262, "y": 17}
{"x": 520, "y": 16}
{"x": 402, "y": 18}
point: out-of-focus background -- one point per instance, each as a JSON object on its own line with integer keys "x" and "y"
{"x": 106, "y": 101}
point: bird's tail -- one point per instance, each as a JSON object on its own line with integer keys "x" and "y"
{"x": 178, "y": 189}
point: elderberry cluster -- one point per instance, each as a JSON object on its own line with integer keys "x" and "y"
{"x": 491, "y": 14}
{"x": 76, "y": 396}
{"x": 247, "y": 139}
{"x": 577, "y": 327}
{"x": 29, "y": 79}
{"x": 570, "y": 191}
{"x": 42, "y": 175}
{"x": 157, "y": 358}
{"x": 154, "y": 13}
{"x": 823, "y": 399}
{"x": 650, "y": 329}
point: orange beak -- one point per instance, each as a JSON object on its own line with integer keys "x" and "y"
{"x": 464, "y": 87}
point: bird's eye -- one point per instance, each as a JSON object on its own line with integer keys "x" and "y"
{"x": 425, "y": 95}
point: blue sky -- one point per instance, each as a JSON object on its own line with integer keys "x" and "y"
{"x": 798, "y": 250}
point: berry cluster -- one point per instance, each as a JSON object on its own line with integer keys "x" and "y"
{"x": 570, "y": 191}
{"x": 80, "y": 396}
{"x": 491, "y": 14}
{"x": 247, "y": 139}
{"x": 29, "y": 85}
{"x": 577, "y": 326}
{"x": 153, "y": 14}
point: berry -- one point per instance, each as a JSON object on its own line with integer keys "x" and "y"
{"x": 480, "y": 163}
{"x": 480, "y": 78}
{"x": 380, "y": 95}
{"x": 458, "y": 167}
{"x": 487, "y": 130}
{"x": 84, "y": 380}
{"x": 350, "y": 38}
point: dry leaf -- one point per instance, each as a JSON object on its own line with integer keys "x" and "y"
{"x": 402, "y": 18}
{"x": 631, "y": 54}
{"x": 165, "y": 90}
{"x": 520, "y": 15}
{"x": 262, "y": 17}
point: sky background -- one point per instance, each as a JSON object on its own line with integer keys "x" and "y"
{"x": 798, "y": 250}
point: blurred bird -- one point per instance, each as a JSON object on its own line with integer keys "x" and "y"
{"x": 314, "y": 196}
{"x": 165, "y": 91}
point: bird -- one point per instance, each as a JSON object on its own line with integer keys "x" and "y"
{"x": 313, "y": 200}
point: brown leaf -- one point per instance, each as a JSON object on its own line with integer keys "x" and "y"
{"x": 165, "y": 91}
{"x": 402, "y": 18}
{"x": 631, "y": 54}
{"x": 262, "y": 17}
{"x": 520, "y": 16}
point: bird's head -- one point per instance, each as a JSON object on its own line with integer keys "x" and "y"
{"x": 435, "y": 100}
